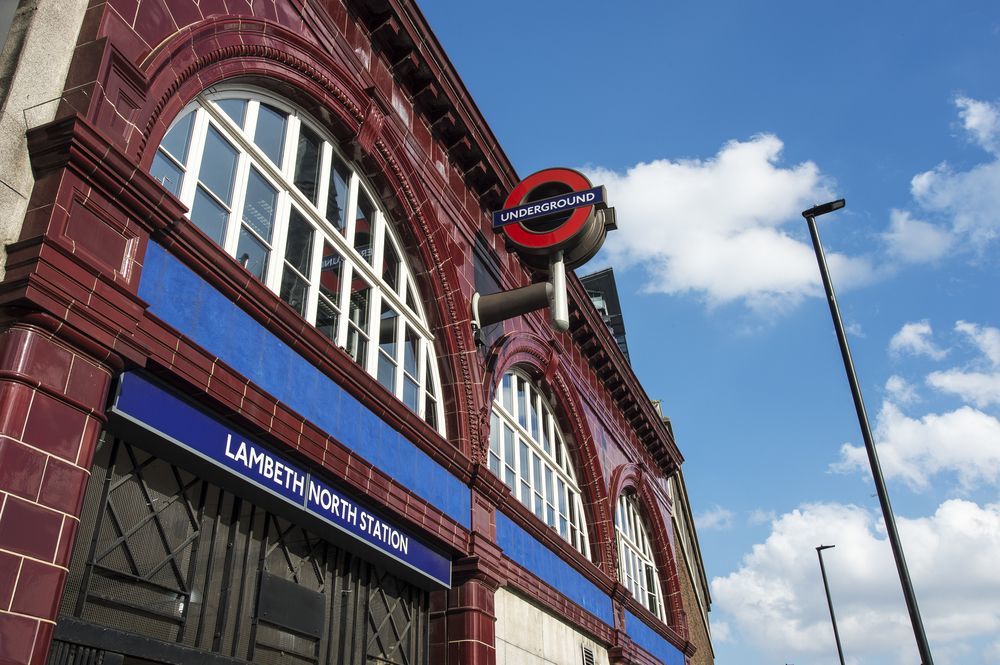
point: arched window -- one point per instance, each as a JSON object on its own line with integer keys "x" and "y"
{"x": 272, "y": 189}
{"x": 529, "y": 453}
{"x": 636, "y": 568}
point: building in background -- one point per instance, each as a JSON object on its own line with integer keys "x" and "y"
{"x": 603, "y": 292}
{"x": 243, "y": 413}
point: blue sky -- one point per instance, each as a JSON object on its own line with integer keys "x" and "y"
{"x": 714, "y": 124}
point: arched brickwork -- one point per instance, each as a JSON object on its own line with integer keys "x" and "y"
{"x": 631, "y": 477}
{"x": 285, "y": 63}
{"x": 531, "y": 353}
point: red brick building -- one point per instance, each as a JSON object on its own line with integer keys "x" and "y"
{"x": 244, "y": 414}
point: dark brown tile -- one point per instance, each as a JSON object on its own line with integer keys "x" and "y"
{"x": 29, "y": 529}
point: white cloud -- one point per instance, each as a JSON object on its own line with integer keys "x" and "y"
{"x": 967, "y": 200}
{"x": 761, "y": 516}
{"x": 915, "y": 241}
{"x": 775, "y": 599}
{"x": 717, "y": 519}
{"x": 964, "y": 441}
{"x": 984, "y": 337}
{"x": 979, "y": 388}
{"x": 914, "y": 338}
{"x": 720, "y": 631}
{"x": 720, "y": 228}
{"x": 961, "y": 205}
{"x": 981, "y": 120}
{"x": 900, "y": 390}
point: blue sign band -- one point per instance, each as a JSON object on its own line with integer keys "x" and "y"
{"x": 546, "y": 207}
{"x": 145, "y": 403}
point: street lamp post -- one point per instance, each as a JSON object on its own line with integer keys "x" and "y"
{"x": 829, "y": 601}
{"x": 859, "y": 406}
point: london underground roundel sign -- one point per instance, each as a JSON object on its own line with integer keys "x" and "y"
{"x": 553, "y": 210}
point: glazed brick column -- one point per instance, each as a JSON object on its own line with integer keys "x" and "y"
{"x": 463, "y": 619}
{"x": 53, "y": 398}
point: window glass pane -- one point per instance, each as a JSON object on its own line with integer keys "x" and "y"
{"x": 411, "y": 393}
{"x": 522, "y": 403}
{"x": 258, "y": 210}
{"x": 336, "y": 198}
{"x": 167, "y": 172}
{"x": 178, "y": 139}
{"x": 326, "y": 318}
{"x": 386, "y": 372}
{"x": 506, "y": 398}
{"x": 252, "y": 254}
{"x": 533, "y": 423}
{"x": 357, "y": 331}
{"x": 330, "y": 270}
{"x": 298, "y": 249}
{"x": 411, "y": 300}
{"x": 307, "y": 164}
{"x": 270, "y": 133}
{"x": 365, "y": 218}
{"x": 236, "y": 109}
{"x": 294, "y": 290}
{"x": 387, "y": 331}
{"x": 429, "y": 364}
{"x": 218, "y": 165}
{"x": 208, "y": 215}
{"x": 430, "y": 411}
{"x": 390, "y": 265}
{"x": 410, "y": 342}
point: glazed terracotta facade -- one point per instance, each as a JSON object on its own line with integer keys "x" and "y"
{"x": 74, "y": 317}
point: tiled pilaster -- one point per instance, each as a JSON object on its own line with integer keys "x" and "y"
{"x": 54, "y": 398}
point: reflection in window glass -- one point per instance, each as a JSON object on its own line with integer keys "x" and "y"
{"x": 364, "y": 217}
{"x": 167, "y": 172}
{"x": 177, "y": 140}
{"x": 307, "y": 164}
{"x": 298, "y": 248}
{"x": 336, "y": 198}
{"x": 357, "y": 328}
{"x": 208, "y": 215}
{"x": 236, "y": 109}
{"x": 218, "y": 165}
{"x": 411, "y": 340}
{"x": 258, "y": 207}
{"x": 390, "y": 265}
{"x": 252, "y": 253}
{"x": 270, "y": 133}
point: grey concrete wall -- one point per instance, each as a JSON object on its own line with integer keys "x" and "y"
{"x": 33, "y": 67}
{"x": 528, "y": 635}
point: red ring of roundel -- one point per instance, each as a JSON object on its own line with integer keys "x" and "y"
{"x": 525, "y": 238}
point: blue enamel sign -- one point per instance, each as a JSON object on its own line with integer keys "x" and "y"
{"x": 545, "y": 207}
{"x": 158, "y": 410}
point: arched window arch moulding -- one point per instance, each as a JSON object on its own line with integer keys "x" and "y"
{"x": 630, "y": 477}
{"x": 535, "y": 357}
{"x": 213, "y": 52}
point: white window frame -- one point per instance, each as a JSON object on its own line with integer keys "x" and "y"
{"x": 526, "y": 432}
{"x": 636, "y": 567}
{"x": 353, "y": 266}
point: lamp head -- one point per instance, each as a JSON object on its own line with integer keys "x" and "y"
{"x": 824, "y": 547}
{"x": 824, "y": 208}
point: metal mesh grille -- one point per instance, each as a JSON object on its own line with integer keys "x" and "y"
{"x": 165, "y": 554}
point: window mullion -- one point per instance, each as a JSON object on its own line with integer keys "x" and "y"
{"x": 422, "y": 376}
{"x": 232, "y": 233}
{"x": 345, "y": 302}
{"x": 352, "y": 206}
{"x": 276, "y": 263}
{"x": 199, "y": 131}
{"x": 315, "y": 271}
{"x": 374, "y": 316}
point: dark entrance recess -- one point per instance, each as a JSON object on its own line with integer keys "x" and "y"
{"x": 169, "y": 568}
